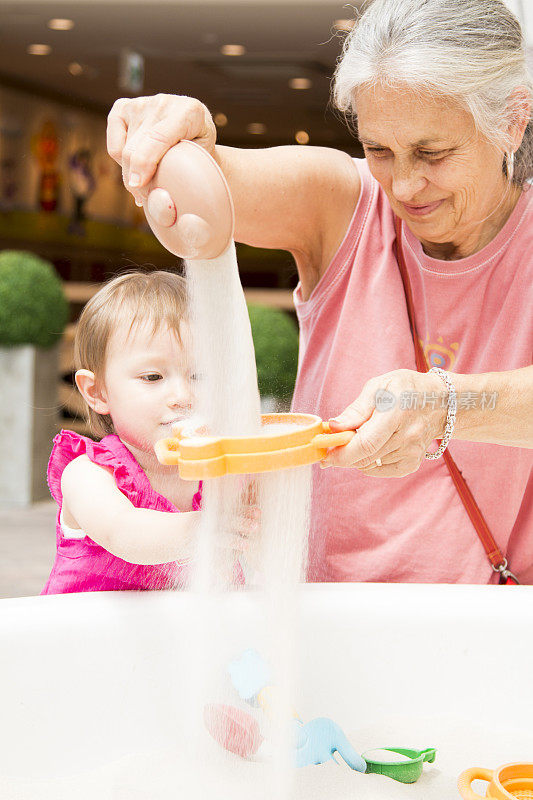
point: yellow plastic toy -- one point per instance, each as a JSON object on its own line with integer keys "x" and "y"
{"x": 199, "y": 457}
{"x": 505, "y": 783}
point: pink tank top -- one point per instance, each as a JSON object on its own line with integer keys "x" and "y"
{"x": 82, "y": 565}
{"x": 474, "y": 315}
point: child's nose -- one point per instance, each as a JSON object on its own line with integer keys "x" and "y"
{"x": 179, "y": 395}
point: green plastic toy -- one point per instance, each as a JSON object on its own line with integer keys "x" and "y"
{"x": 407, "y": 771}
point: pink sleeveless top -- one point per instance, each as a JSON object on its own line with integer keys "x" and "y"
{"x": 474, "y": 315}
{"x": 82, "y": 565}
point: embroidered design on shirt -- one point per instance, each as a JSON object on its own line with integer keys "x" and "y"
{"x": 438, "y": 354}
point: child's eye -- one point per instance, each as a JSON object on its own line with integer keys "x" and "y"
{"x": 150, "y": 377}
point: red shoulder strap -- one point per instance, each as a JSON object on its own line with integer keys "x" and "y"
{"x": 494, "y": 554}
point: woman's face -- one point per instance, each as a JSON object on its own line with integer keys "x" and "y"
{"x": 439, "y": 174}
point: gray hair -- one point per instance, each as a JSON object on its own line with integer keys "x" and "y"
{"x": 470, "y": 50}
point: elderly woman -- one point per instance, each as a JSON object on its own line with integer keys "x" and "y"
{"x": 440, "y": 94}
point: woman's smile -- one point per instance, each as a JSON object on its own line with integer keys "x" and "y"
{"x": 421, "y": 210}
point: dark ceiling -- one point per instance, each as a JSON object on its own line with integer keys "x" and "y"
{"x": 181, "y": 43}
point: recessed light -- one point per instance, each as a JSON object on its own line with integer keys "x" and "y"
{"x": 220, "y": 120}
{"x": 302, "y": 137}
{"x": 233, "y": 50}
{"x": 75, "y": 68}
{"x": 300, "y": 83}
{"x": 39, "y": 49}
{"x": 256, "y": 128}
{"x": 345, "y": 25}
{"x": 61, "y": 24}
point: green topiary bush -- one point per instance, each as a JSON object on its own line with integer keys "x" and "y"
{"x": 33, "y": 306}
{"x": 275, "y": 336}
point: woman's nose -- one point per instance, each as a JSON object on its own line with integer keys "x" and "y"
{"x": 407, "y": 182}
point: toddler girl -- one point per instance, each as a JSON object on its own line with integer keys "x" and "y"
{"x": 117, "y": 522}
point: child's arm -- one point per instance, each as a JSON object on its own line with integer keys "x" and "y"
{"x": 138, "y": 535}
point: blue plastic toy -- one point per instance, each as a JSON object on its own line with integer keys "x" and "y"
{"x": 249, "y": 675}
{"x": 319, "y": 739}
{"x": 315, "y": 741}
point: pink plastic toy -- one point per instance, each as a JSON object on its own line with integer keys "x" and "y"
{"x": 235, "y": 730}
{"x": 189, "y": 206}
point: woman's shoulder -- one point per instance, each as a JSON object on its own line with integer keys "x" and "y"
{"x": 364, "y": 209}
{"x": 368, "y": 207}
{"x": 524, "y": 222}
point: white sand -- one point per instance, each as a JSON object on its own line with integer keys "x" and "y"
{"x": 385, "y": 756}
{"x": 460, "y": 744}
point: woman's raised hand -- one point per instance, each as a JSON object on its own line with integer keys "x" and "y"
{"x": 140, "y": 130}
{"x": 397, "y": 416}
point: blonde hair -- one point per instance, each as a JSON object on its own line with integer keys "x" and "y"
{"x": 151, "y": 297}
{"x": 470, "y": 50}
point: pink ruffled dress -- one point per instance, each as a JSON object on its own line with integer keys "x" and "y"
{"x": 82, "y": 565}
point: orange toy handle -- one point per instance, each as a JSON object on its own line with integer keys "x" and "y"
{"x": 325, "y": 440}
{"x": 464, "y": 784}
{"x": 167, "y": 451}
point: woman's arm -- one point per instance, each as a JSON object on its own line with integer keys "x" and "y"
{"x": 294, "y": 198}
{"x": 495, "y": 407}
{"x": 137, "y": 535}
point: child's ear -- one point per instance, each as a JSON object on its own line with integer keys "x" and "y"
{"x": 90, "y": 391}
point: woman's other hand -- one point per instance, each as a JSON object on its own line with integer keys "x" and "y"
{"x": 140, "y": 130}
{"x": 397, "y": 416}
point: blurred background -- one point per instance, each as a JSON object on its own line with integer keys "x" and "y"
{"x": 264, "y": 71}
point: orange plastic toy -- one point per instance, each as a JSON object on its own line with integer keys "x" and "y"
{"x": 200, "y": 457}
{"x": 505, "y": 783}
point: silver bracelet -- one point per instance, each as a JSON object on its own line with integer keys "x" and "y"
{"x": 450, "y": 418}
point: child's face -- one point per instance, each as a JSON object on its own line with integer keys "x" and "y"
{"x": 147, "y": 383}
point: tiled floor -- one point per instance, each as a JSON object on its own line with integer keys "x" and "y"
{"x": 27, "y": 548}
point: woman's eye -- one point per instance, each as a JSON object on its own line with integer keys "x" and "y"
{"x": 433, "y": 155}
{"x": 151, "y": 377}
{"x": 377, "y": 151}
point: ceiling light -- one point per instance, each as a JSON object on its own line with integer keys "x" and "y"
{"x": 61, "y": 24}
{"x": 39, "y": 49}
{"x": 256, "y": 128}
{"x": 302, "y": 137}
{"x": 75, "y": 68}
{"x": 220, "y": 120}
{"x": 233, "y": 50}
{"x": 345, "y": 25}
{"x": 300, "y": 83}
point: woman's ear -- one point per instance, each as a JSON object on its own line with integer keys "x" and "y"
{"x": 90, "y": 391}
{"x": 519, "y": 105}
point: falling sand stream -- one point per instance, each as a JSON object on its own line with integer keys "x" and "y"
{"x": 273, "y": 564}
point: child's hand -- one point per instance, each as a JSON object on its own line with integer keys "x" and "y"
{"x": 246, "y": 528}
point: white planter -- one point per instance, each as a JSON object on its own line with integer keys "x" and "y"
{"x": 28, "y": 421}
